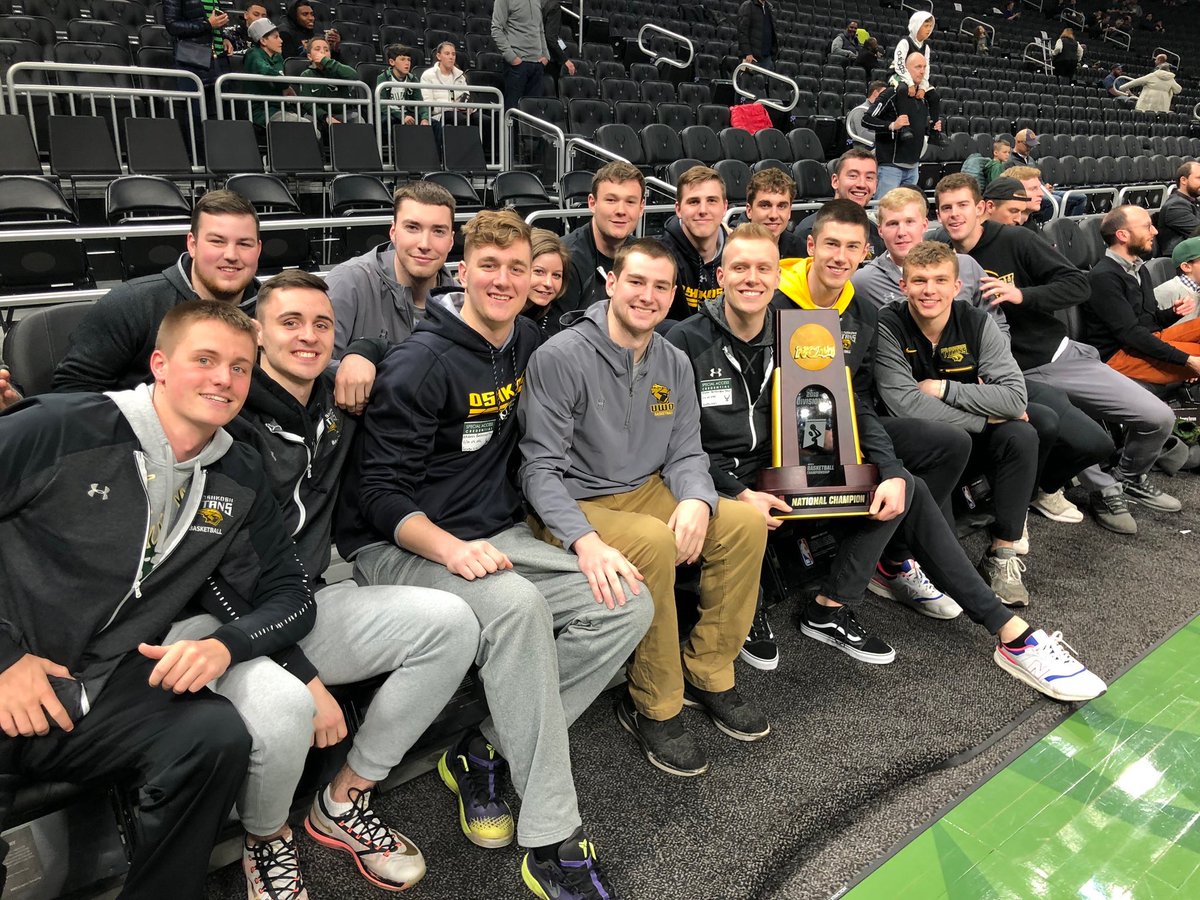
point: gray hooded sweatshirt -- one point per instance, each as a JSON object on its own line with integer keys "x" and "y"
{"x": 594, "y": 424}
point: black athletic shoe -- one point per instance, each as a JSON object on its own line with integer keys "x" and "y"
{"x": 666, "y": 745}
{"x": 759, "y": 649}
{"x": 837, "y": 627}
{"x": 574, "y": 875}
{"x": 729, "y": 712}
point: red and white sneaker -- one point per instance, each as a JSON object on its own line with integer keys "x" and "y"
{"x": 384, "y": 856}
{"x": 273, "y": 869}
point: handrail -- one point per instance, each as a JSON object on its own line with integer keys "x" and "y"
{"x": 766, "y": 101}
{"x": 686, "y": 42}
{"x": 225, "y": 90}
{"x": 990, "y": 29}
{"x": 577, "y": 143}
{"x": 497, "y": 135}
{"x": 1074, "y": 17}
{"x": 1036, "y": 4}
{"x": 91, "y": 92}
{"x": 1110, "y": 31}
{"x": 556, "y": 136}
{"x": 1084, "y": 192}
{"x": 578, "y": 16}
{"x": 1141, "y": 188}
{"x": 912, "y": 4}
{"x": 1196, "y": 111}
{"x": 658, "y": 184}
{"x": 543, "y": 214}
{"x": 1169, "y": 54}
{"x": 1042, "y": 59}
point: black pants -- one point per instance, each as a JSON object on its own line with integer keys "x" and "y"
{"x": 1082, "y": 442}
{"x": 1008, "y": 455}
{"x": 936, "y": 453}
{"x": 188, "y": 754}
{"x": 922, "y": 527}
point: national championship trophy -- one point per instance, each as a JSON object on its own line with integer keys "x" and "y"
{"x": 816, "y": 465}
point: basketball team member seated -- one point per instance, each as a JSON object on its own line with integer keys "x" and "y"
{"x": 945, "y": 360}
{"x": 744, "y": 326}
{"x": 422, "y": 640}
{"x": 633, "y": 499}
{"x": 429, "y": 501}
{"x": 854, "y": 176}
{"x": 695, "y": 236}
{"x": 1029, "y": 279}
{"x": 769, "y": 196}
{"x": 617, "y": 200}
{"x": 115, "y": 511}
{"x": 1121, "y": 317}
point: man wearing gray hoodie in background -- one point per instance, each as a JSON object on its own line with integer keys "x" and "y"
{"x": 517, "y": 31}
{"x": 634, "y": 499}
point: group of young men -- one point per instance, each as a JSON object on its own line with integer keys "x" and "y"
{"x": 512, "y": 500}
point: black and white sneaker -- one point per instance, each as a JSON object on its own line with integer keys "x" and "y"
{"x": 1142, "y": 490}
{"x": 837, "y": 627}
{"x": 759, "y": 649}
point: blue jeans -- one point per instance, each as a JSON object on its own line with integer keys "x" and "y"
{"x": 893, "y": 177}
{"x": 524, "y": 80}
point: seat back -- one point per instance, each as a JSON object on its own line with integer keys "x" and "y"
{"x": 812, "y": 180}
{"x": 466, "y": 198}
{"x": 621, "y": 140}
{"x": 463, "y": 149}
{"x": 660, "y": 145}
{"x": 358, "y": 193}
{"x": 735, "y": 175}
{"x": 231, "y": 147}
{"x": 18, "y": 155}
{"x": 156, "y": 147}
{"x": 736, "y": 143}
{"x": 676, "y": 116}
{"x": 80, "y": 146}
{"x": 36, "y": 344}
{"x": 1064, "y": 234}
{"x": 806, "y": 144}
{"x": 352, "y": 148}
{"x": 773, "y": 144}
{"x": 420, "y": 152}
{"x": 292, "y": 148}
{"x": 701, "y": 143}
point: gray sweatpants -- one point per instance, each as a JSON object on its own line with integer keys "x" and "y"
{"x": 426, "y": 639}
{"x": 536, "y": 684}
{"x": 1104, "y": 393}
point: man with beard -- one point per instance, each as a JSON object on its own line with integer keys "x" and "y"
{"x": 110, "y": 349}
{"x": 854, "y": 177}
{"x": 616, "y": 200}
{"x": 1180, "y": 214}
{"x": 1122, "y": 319}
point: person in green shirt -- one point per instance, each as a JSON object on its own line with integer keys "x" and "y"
{"x": 266, "y": 58}
{"x": 399, "y": 71}
{"x": 321, "y": 80}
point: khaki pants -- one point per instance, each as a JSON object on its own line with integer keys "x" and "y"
{"x": 636, "y": 524}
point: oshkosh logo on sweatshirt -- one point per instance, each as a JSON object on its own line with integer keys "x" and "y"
{"x": 660, "y": 400}
{"x": 211, "y": 515}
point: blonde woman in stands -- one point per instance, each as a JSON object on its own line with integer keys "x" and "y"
{"x": 551, "y": 259}
{"x": 1158, "y": 87}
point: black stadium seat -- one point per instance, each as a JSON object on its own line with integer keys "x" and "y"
{"x": 623, "y": 141}
{"x": 82, "y": 146}
{"x": 701, "y": 143}
{"x": 32, "y": 349}
{"x": 773, "y": 144}
{"x": 147, "y": 200}
{"x": 33, "y": 202}
{"x": 18, "y": 155}
{"x": 676, "y": 116}
{"x": 812, "y": 180}
{"x": 37, "y": 29}
{"x": 586, "y": 116}
{"x": 281, "y": 249}
{"x": 635, "y": 114}
{"x": 231, "y": 146}
{"x": 661, "y": 146}
{"x": 735, "y": 175}
{"x": 128, "y": 13}
{"x": 98, "y": 32}
{"x": 737, "y": 143}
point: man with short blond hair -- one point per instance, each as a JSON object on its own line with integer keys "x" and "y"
{"x": 695, "y": 236}
{"x": 617, "y": 200}
{"x": 614, "y": 469}
{"x": 1031, "y": 180}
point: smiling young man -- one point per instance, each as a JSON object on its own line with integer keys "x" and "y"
{"x": 110, "y": 349}
{"x": 116, "y": 510}
{"x": 634, "y": 499}
{"x": 429, "y": 500}
{"x": 854, "y": 177}
{"x": 695, "y": 236}
{"x": 1005, "y": 201}
{"x": 822, "y": 282}
{"x": 769, "y": 197}
{"x": 617, "y": 200}
{"x": 1030, "y": 280}
{"x": 423, "y": 641}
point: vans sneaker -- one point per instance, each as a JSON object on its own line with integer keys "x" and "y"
{"x": 759, "y": 649}
{"x": 837, "y": 627}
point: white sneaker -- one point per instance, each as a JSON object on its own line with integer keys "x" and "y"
{"x": 1047, "y": 664}
{"x": 272, "y": 869}
{"x": 1022, "y": 545}
{"x": 1056, "y": 507}
{"x": 912, "y": 587}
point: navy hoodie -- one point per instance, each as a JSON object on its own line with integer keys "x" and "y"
{"x": 439, "y": 435}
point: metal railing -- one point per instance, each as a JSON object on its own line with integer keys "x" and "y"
{"x": 1118, "y": 37}
{"x": 771, "y": 76}
{"x": 1039, "y": 53}
{"x": 657, "y": 57}
{"x": 231, "y": 90}
{"x": 1036, "y": 4}
{"x": 1109, "y": 192}
{"x": 1147, "y": 190}
{"x": 1172, "y": 57}
{"x": 963, "y": 28}
{"x": 1073, "y": 17}
{"x": 577, "y": 144}
{"x": 143, "y": 98}
{"x": 577, "y": 15}
{"x": 917, "y": 5}
{"x": 449, "y": 111}
{"x": 546, "y": 131}
{"x": 551, "y": 215}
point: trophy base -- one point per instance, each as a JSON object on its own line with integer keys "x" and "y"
{"x": 790, "y": 484}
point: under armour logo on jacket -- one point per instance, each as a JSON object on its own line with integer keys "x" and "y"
{"x": 97, "y": 491}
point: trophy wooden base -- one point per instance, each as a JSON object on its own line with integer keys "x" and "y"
{"x": 790, "y": 484}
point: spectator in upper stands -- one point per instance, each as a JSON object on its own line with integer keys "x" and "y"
{"x": 517, "y": 31}
{"x": 445, "y": 72}
{"x": 617, "y": 199}
{"x": 1067, "y": 54}
{"x": 914, "y": 81}
{"x": 200, "y": 46}
{"x": 1186, "y": 257}
{"x": 758, "y": 38}
{"x": 1031, "y": 180}
{"x": 548, "y": 282}
{"x": 1122, "y": 319}
{"x": 266, "y": 58}
{"x": 1159, "y": 87}
{"x": 635, "y": 500}
{"x": 430, "y": 500}
{"x": 986, "y": 170}
{"x": 900, "y": 120}
{"x": 399, "y": 71}
{"x": 1179, "y": 216}
{"x": 1024, "y": 143}
{"x": 1011, "y": 13}
{"x": 868, "y": 58}
{"x": 821, "y": 283}
{"x": 845, "y": 46}
{"x": 110, "y": 349}
{"x": 982, "y": 45}
{"x": 84, "y": 702}
{"x": 552, "y": 28}
{"x": 860, "y": 136}
{"x": 1109, "y": 83}
{"x": 384, "y": 292}
{"x": 238, "y": 33}
{"x": 1005, "y": 202}
{"x": 769, "y": 197}
{"x": 324, "y": 72}
{"x": 299, "y": 27}
{"x": 695, "y": 236}
{"x": 420, "y": 641}
{"x": 1031, "y": 281}
{"x": 855, "y": 178}
{"x": 946, "y": 360}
